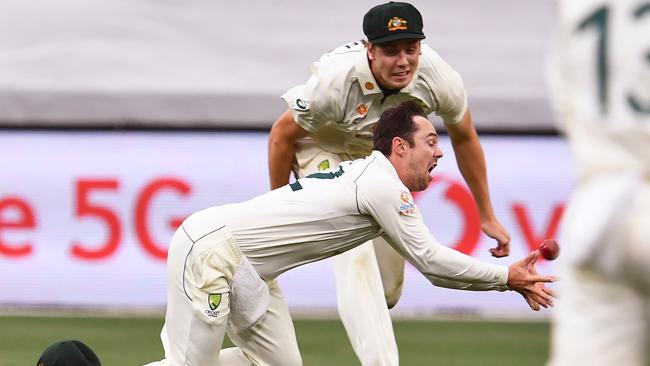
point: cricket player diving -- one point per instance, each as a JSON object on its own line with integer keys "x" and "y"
{"x": 601, "y": 88}
{"x": 223, "y": 261}
{"x": 330, "y": 119}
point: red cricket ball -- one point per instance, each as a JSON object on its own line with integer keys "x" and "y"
{"x": 549, "y": 249}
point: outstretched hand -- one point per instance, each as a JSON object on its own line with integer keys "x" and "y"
{"x": 523, "y": 278}
{"x": 496, "y": 231}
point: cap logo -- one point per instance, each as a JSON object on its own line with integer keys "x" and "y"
{"x": 396, "y": 23}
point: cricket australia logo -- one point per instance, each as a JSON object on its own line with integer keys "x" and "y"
{"x": 396, "y": 23}
{"x": 324, "y": 165}
{"x": 213, "y": 301}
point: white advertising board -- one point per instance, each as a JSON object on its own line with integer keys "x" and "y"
{"x": 184, "y": 63}
{"x": 85, "y": 217}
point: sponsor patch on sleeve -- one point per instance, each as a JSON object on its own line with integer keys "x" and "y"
{"x": 300, "y": 104}
{"x": 406, "y": 204}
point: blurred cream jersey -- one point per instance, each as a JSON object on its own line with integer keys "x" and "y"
{"x": 601, "y": 89}
{"x": 331, "y": 212}
{"x": 600, "y": 81}
{"x": 341, "y": 101}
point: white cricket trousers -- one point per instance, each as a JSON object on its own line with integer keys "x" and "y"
{"x": 200, "y": 278}
{"x": 369, "y": 279}
{"x": 602, "y": 316}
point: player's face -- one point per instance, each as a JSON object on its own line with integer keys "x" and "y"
{"x": 393, "y": 64}
{"x": 423, "y": 155}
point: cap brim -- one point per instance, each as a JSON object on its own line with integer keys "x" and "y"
{"x": 397, "y": 37}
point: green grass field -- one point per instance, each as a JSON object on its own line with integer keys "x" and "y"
{"x": 129, "y": 341}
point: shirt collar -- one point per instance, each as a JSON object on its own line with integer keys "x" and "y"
{"x": 384, "y": 163}
{"x": 366, "y": 79}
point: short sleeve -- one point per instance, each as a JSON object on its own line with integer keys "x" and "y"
{"x": 446, "y": 85}
{"x": 317, "y": 102}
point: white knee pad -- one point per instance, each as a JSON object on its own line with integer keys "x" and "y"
{"x": 249, "y": 298}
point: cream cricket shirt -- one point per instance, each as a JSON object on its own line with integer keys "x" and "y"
{"x": 606, "y": 113}
{"x": 342, "y": 101}
{"x": 328, "y": 213}
{"x": 601, "y": 90}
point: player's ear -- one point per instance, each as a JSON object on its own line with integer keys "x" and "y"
{"x": 399, "y": 146}
{"x": 371, "y": 51}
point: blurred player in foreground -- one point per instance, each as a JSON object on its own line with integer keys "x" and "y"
{"x": 602, "y": 91}
{"x": 223, "y": 260}
{"x": 330, "y": 119}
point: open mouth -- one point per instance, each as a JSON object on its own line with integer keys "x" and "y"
{"x": 431, "y": 168}
{"x": 402, "y": 74}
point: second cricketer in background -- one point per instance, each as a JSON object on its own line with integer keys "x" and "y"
{"x": 330, "y": 119}
{"x": 602, "y": 89}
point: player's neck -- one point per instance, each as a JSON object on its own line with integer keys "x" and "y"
{"x": 388, "y": 92}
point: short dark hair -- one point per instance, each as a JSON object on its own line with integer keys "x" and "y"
{"x": 396, "y": 122}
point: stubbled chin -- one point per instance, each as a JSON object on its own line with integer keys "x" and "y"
{"x": 400, "y": 83}
{"x": 423, "y": 184}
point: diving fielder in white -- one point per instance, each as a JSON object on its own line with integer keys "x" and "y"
{"x": 223, "y": 260}
{"x": 601, "y": 88}
{"x": 330, "y": 119}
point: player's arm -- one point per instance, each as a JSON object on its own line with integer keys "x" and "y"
{"x": 448, "y": 282}
{"x": 396, "y": 213}
{"x": 284, "y": 133}
{"x": 393, "y": 208}
{"x": 522, "y": 277}
{"x": 471, "y": 162}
